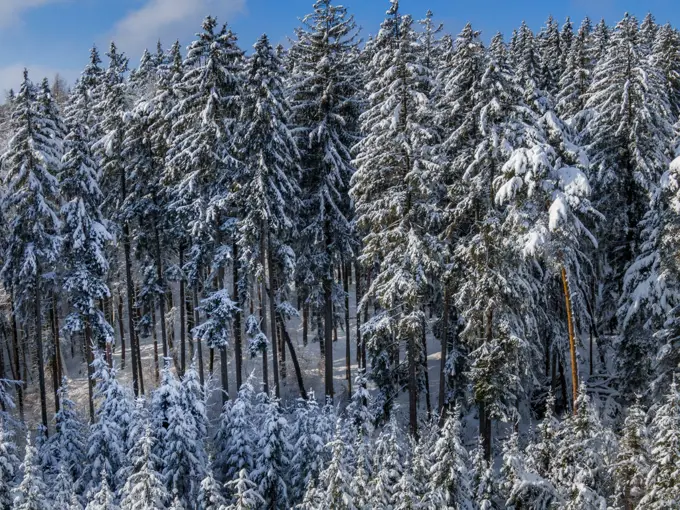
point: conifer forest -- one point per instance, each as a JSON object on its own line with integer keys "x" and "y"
{"x": 424, "y": 269}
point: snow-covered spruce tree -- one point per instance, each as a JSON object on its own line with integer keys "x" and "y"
{"x": 31, "y": 164}
{"x": 108, "y": 149}
{"x": 336, "y": 478}
{"x": 9, "y": 464}
{"x": 323, "y": 96}
{"x": 483, "y": 480}
{"x": 662, "y": 488}
{"x": 106, "y": 441}
{"x": 388, "y": 462}
{"x": 541, "y": 453}
{"x": 271, "y": 470}
{"x": 633, "y": 459}
{"x": 244, "y": 491}
{"x": 216, "y": 330}
{"x": 584, "y": 453}
{"x": 268, "y": 195}
{"x": 84, "y": 231}
{"x": 63, "y": 490}
{"x": 147, "y": 203}
{"x": 103, "y": 497}
{"x": 210, "y": 495}
{"x": 549, "y": 48}
{"x": 144, "y": 487}
{"x": 492, "y": 287}
{"x": 577, "y": 75}
{"x": 195, "y": 401}
{"x": 68, "y": 440}
{"x": 180, "y": 442}
{"x": 629, "y": 138}
{"x": 203, "y": 129}
{"x": 310, "y": 441}
{"x": 31, "y": 494}
{"x": 236, "y": 436}
{"x": 665, "y": 58}
{"x": 449, "y": 475}
{"x": 392, "y": 189}
{"x": 92, "y": 79}
{"x": 520, "y": 487}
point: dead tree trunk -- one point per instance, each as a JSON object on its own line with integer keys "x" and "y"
{"x": 39, "y": 349}
{"x": 572, "y": 339}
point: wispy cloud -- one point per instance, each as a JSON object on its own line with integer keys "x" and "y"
{"x": 11, "y": 10}
{"x": 167, "y": 20}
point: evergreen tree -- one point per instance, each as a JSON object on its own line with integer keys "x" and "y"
{"x": 310, "y": 444}
{"x": 663, "y": 490}
{"x": 449, "y": 474}
{"x": 9, "y": 465}
{"x": 336, "y": 479}
{"x": 63, "y": 490}
{"x": 67, "y": 442}
{"x": 31, "y": 163}
{"x": 245, "y": 495}
{"x": 210, "y": 494}
{"x": 389, "y": 467}
{"x": 632, "y": 462}
{"x": 103, "y": 498}
{"x": 31, "y": 494}
{"x": 393, "y": 189}
{"x": 577, "y": 74}
{"x": 144, "y": 487}
{"x": 273, "y": 460}
{"x": 323, "y": 97}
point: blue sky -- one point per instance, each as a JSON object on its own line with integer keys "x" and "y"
{"x": 50, "y": 36}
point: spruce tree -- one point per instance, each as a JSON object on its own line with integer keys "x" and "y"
{"x": 245, "y": 495}
{"x": 392, "y": 190}
{"x": 323, "y": 97}
{"x": 144, "y": 487}
{"x": 31, "y": 494}
{"x": 31, "y": 164}
{"x": 633, "y": 460}
{"x": 9, "y": 465}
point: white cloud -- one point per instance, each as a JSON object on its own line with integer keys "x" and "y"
{"x": 167, "y": 20}
{"x": 11, "y": 10}
{"x": 11, "y": 76}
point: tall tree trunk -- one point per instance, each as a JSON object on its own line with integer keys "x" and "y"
{"x": 121, "y": 329}
{"x": 55, "y": 362}
{"x": 305, "y": 323}
{"x": 572, "y": 339}
{"x": 87, "y": 339}
{"x": 293, "y": 357}
{"x": 17, "y": 362}
{"x": 272, "y": 313}
{"x": 357, "y": 299}
{"x": 134, "y": 341}
{"x": 199, "y": 348}
{"x": 428, "y": 401}
{"x": 161, "y": 301}
{"x": 156, "y": 364}
{"x": 328, "y": 338}
{"x": 182, "y": 316}
{"x": 263, "y": 328}
{"x": 223, "y": 371}
{"x": 348, "y": 338}
{"x": 444, "y": 342}
{"x": 412, "y": 387}
{"x": 137, "y": 320}
{"x": 484, "y": 419}
{"x": 238, "y": 345}
{"x": 39, "y": 350}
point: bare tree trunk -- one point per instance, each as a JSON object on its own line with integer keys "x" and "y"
{"x": 272, "y": 313}
{"x": 444, "y": 342}
{"x": 305, "y": 323}
{"x": 55, "y": 362}
{"x": 39, "y": 350}
{"x": 137, "y": 318}
{"x": 328, "y": 338}
{"x": 572, "y": 339}
{"x": 182, "y": 316}
{"x": 428, "y": 401}
{"x": 263, "y": 328}
{"x": 223, "y": 371}
{"x": 134, "y": 341}
{"x": 348, "y": 338}
{"x": 361, "y": 354}
{"x": 199, "y": 348}
{"x": 412, "y": 387}
{"x": 238, "y": 346}
{"x": 87, "y": 339}
{"x": 17, "y": 362}
{"x": 484, "y": 419}
{"x": 121, "y": 329}
{"x": 293, "y": 357}
{"x": 156, "y": 365}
